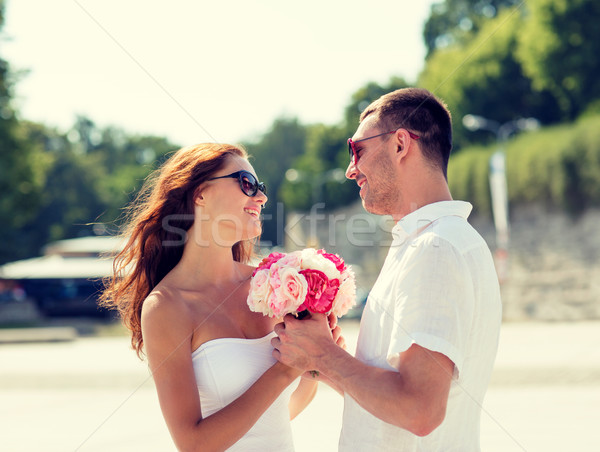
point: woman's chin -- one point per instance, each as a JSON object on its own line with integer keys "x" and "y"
{"x": 253, "y": 230}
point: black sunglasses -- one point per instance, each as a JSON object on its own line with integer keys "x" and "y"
{"x": 248, "y": 183}
{"x": 352, "y": 150}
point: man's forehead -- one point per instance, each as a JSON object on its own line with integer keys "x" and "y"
{"x": 369, "y": 126}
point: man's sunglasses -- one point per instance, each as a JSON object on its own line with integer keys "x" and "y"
{"x": 352, "y": 150}
{"x": 248, "y": 183}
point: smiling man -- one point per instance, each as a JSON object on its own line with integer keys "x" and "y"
{"x": 429, "y": 332}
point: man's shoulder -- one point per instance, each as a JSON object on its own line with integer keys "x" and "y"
{"x": 456, "y": 231}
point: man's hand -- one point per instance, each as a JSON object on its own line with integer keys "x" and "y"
{"x": 303, "y": 343}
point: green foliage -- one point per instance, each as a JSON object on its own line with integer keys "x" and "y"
{"x": 325, "y": 147}
{"x": 363, "y": 96}
{"x": 126, "y": 161}
{"x": 22, "y": 177}
{"x": 558, "y": 48}
{"x": 539, "y": 60}
{"x": 71, "y": 198}
{"x": 483, "y": 78}
{"x": 454, "y": 21}
{"x": 21, "y": 170}
{"x": 557, "y": 166}
{"x": 535, "y": 170}
{"x": 468, "y": 178}
{"x": 326, "y": 154}
{"x": 271, "y": 155}
{"x": 58, "y": 185}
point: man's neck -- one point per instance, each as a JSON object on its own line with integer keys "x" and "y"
{"x": 422, "y": 194}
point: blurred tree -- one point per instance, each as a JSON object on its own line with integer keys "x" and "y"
{"x": 483, "y": 77}
{"x": 361, "y": 100}
{"x": 72, "y": 196}
{"x": 315, "y": 180}
{"x": 101, "y": 171}
{"x": 271, "y": 155}
{"x": 21, "y": 171}
{"x": 126, "y": 160}
{"x": 454, "y": 21}
{"x": 89, "y": 175}
{"x": 326, "y": 151}
{"x": 84, "y": 135}
{"x": 558, "y": 48}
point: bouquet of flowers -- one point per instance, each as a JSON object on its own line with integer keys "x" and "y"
{"x": 302, "y": 281}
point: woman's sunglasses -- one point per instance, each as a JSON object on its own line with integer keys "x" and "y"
{"x": 248, "y": 183}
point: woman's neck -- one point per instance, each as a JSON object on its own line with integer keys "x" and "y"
{"x": 202, "y": 265}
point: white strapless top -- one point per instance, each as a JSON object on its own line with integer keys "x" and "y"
{"x": 225, "y": 368}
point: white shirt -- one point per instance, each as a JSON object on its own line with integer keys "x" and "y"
{"x": 438, "y": 288}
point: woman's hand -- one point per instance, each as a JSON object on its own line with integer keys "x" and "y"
{"x": 333, "y": 320}
{"x": 336, "y": 333}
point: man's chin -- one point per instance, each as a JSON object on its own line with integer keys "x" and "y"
{"x": 371, "y": 208}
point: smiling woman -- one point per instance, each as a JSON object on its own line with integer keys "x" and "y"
{"x": 160, "y": 221}
{"x": 181, "y": 284}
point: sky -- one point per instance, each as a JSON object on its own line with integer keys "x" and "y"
{"x": 195, "y": 70}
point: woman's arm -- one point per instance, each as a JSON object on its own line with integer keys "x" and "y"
{"x": 302, "y": 396}
{"x": 167, "y": 332}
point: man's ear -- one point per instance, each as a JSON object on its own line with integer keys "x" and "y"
{"x": 401, "y": 154}
{"x": 402, "y": 142}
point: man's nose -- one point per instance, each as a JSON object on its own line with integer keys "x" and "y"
{"x": 351, "y": 170}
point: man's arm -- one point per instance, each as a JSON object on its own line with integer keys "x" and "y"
{"x": 413, "y": 398}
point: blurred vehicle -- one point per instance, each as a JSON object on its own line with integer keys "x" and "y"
{"x": 66, "y": 280}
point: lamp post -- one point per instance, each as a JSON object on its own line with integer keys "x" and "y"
{"x": 498, "y": 186}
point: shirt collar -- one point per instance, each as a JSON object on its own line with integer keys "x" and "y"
{"x": 429, "y": 213}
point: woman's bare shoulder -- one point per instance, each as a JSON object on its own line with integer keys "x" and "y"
{"x": 164, "y": 306}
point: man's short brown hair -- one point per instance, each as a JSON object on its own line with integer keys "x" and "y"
{"x": 420, "y": 112}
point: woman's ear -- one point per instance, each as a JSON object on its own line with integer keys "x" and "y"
{"x": 199, "y": 197}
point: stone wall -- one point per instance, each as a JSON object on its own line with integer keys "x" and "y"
{"x": 553, "y": 270}
{"x": 553, "y": 264}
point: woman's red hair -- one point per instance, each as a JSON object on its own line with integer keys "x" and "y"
{"x": 157, "y": 218}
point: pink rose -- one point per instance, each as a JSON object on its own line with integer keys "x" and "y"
{"x": 274, "y": 279}
{"x": 259, "y": 290}
{"x": 346, "y": 297}
{"x": 312, "y": 260}
{"x": 310, "y": 279}
{"x": 321, "y": 291}
{"x": 290, "y": 260}
{"x": 291, "y": 292}
{"x": 266, "y": 263}
{"x": 337, "y": 260}
{"x": 274, "y": 307}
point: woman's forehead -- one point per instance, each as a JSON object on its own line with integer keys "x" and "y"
{"x": 237, "y": 163}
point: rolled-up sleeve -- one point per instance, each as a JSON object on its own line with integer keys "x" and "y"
{"x": 433, "y": 304}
